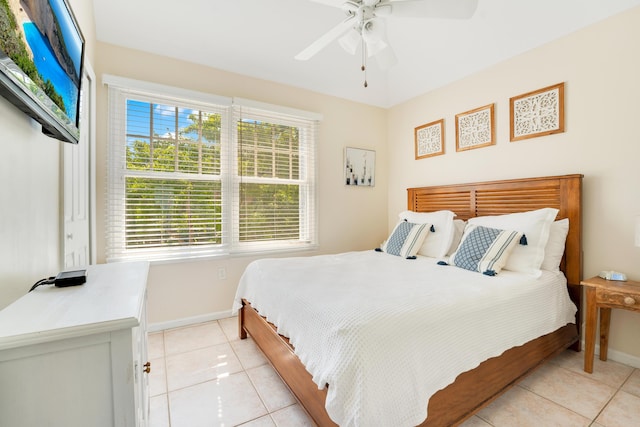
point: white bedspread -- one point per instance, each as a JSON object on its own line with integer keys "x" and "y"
{"x": 386, "y": 333}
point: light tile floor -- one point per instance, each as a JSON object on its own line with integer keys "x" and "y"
{"x": 204, "y": 375}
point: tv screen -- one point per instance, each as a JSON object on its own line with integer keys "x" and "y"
{"x": 41, "y": 60}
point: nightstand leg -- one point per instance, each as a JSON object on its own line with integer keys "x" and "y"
{"x": 605, "y": 321}
{"x": 590, "y": 329}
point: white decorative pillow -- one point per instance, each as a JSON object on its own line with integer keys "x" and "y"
{"x": 405, "y": 239}
{"x": 437, "y": 243}
{"x": 484, "y": 249}
{"x": 535, "y": 226}
{"x": 458, "y": 231}
{"x": 555, "y": 245}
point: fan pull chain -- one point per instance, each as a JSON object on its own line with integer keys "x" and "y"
{"x": 364, "y": 62}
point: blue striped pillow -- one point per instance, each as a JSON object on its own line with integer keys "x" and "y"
{"x": 484, "y": 249}
{"x": 406, "y": 239}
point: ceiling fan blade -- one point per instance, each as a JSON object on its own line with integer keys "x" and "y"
{"x": 449, "y": 9}
{"x": 326, "y": 39}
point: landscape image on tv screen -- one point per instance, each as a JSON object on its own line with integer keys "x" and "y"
{"x": 41, "y": 49}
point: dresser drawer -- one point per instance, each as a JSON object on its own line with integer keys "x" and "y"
{"x": 628, "y": 300}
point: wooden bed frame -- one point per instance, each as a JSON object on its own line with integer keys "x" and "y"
{"x": 473, "y": 389}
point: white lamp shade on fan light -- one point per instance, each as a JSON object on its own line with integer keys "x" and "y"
{"x": 350, "y": 41}
{"x": 373, "y": 37}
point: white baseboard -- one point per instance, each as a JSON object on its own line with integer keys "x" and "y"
{"x": 161, "y": 326}
{"x": 618, "y": 356}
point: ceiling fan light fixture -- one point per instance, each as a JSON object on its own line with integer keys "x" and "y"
{"x": 373, "y": 34}
{"x": 365, "y": 23}
{"x": 350, "y": 41}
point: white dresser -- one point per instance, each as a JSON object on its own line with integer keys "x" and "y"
{"x": 76, "y": 356}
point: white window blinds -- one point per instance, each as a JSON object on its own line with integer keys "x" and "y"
{"x": 274, "y": 186}
{"x": 189, "y": 178}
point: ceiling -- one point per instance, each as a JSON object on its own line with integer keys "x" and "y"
{"x": 259, "y": 38}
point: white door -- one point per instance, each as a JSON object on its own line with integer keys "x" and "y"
{"x": 79, "y": 177}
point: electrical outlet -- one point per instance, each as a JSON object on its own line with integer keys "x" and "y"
{"x": 222, "y": 273}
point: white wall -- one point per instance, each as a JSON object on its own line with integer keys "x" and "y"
{"x": 29, "y": 204}
{"x": 349, "y": 218}
{"x": 600, "y": 68}
{"x": 30, "y": 198}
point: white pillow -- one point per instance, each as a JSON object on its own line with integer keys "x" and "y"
{"x": 535, "y": 226}
{"x": 458, "y": 231}
{"x": 555, "y": 245}
{"x": 437, "y": 243}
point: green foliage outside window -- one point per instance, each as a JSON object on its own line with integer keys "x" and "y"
{"x": 162, "y": 212}
{"x": 165, "y": 211}
{"x": 269, "y": 211}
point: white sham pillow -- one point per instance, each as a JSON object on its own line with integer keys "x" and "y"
{"x": 555, "y": 245}
{"x": 458, "y": 231}
{"x": 438, "y": 242}
{"x": 535, "y": 225}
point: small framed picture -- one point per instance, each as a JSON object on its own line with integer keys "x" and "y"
{"x": 537, "y": 113}
{"x": 475, "y": 128}
{"x": 359, "y": 167}
{"x": 429, "y": 139}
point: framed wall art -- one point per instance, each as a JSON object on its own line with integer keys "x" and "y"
{"x": 429, "y": 139}
{"x": 475, "y": 128}
{"x": 359, "y": 167}
{"x": 537, "y": 113}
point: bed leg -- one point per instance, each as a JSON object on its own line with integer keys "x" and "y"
{"x": 576, "y": 346}
{"x": 241, "y": 331}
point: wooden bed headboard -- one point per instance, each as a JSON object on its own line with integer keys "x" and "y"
{"x": 516, "y": 195}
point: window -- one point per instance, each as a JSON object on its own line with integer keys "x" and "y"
{"x": 192, "y": 175}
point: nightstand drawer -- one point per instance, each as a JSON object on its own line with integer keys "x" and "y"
{"x": 618, "y": 299}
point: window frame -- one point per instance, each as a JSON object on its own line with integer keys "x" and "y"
{"x": 120, "y": 89}
{"x": 246, "y": 109}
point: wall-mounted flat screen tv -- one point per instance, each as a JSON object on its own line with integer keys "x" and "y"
{"x": 41, "y": 60}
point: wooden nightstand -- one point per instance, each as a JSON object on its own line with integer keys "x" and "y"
{"x": 604, "y": 295}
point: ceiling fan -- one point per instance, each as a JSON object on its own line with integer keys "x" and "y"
{"x": 365, "y": 23}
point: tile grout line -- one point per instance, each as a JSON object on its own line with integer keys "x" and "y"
{"x": 269, "y": 413}
{"x": 593, "y": 420}
{"x": 557, "y": 403}
{"x": 244, "y": 370}
{"x": 166, "y": 382}
{"x": 614, "y": 395}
